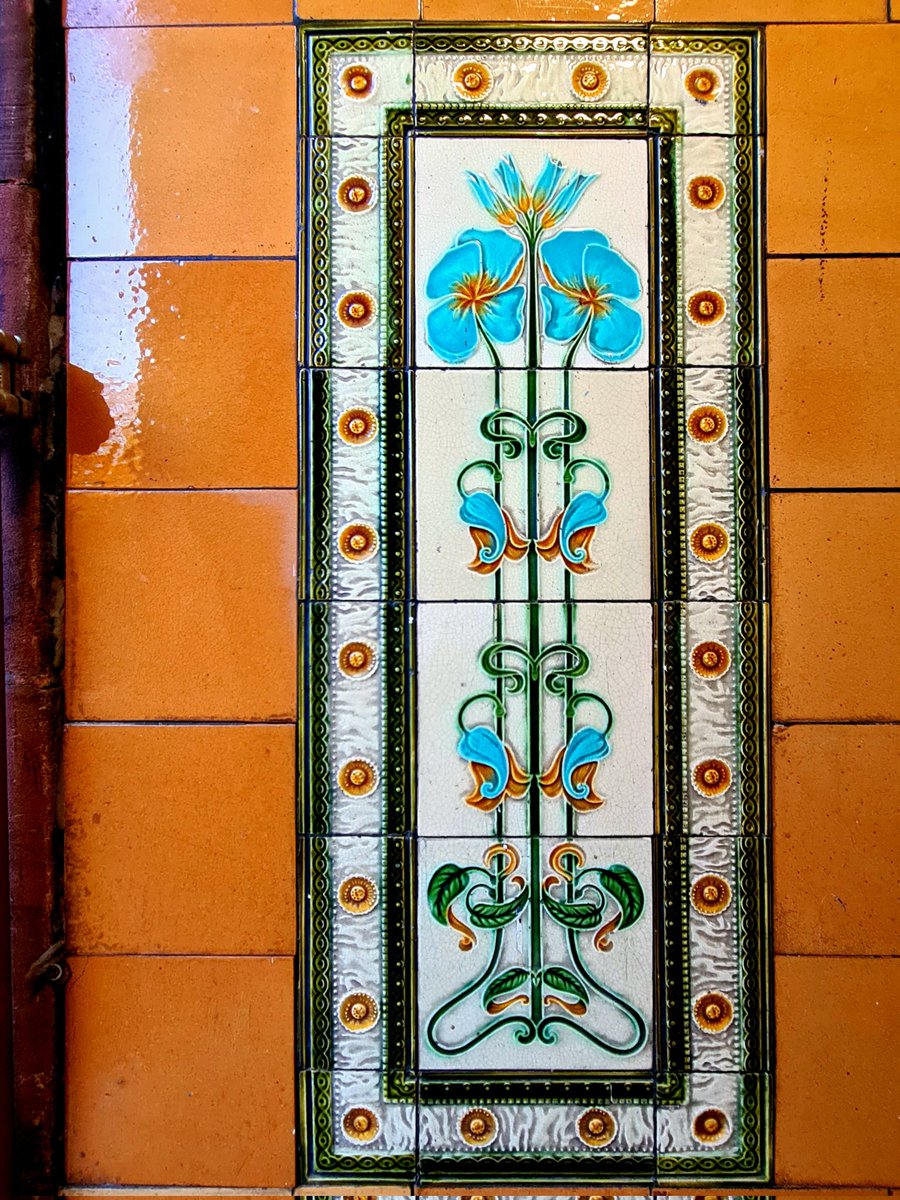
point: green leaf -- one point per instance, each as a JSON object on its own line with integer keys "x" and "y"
{"x": 446, "y": 884}
{"x": 494, "y": 916}
{"x": 507, "y": 982}
{"x": 572, "y": 915}
{"x": 623, "y": 886}
{"x": 564, "y": 981}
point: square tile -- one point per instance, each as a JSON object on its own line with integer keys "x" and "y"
{"x": 169, "y": 834}
{"x": 161, "y": 125}
{"x": 478, "y": 902}
{"x": 154, "y": 1048}
{"x": 137, "y": 649}
{"x": 816, "y": 157}
{"x": 465, "y": 474}
{"x": 146, "y": 405}
{"x": 824, "y": 640}
{"x": 459, "y": 716}
{"x": 608, "y": 241}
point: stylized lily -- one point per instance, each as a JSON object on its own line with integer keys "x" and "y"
{"x": 494, "y": 768}
{"x": 493, "y": 532}
{"x": 572, "y": 532}
{"x": 533, "y": 209}
{"x": 589, "y": 285}
{"x": 573, "y": 769}
{"x": 476, "y": 284}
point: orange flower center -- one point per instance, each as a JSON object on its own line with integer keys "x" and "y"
{"x": 475, "y": 292}
{"x": 593, "y": 297}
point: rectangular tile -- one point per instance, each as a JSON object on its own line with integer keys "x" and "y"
{"x": 150, "y": 403}
{"x": 87, "y": 13}
{"x": 816, "y": 156}
{"x": 153, "y": 1049}
{"x": 831, "y": 1055}
{"x": 166, "y": 619}
{"x": 832, "y": 334}
{"x": 815, "y": 913}
{"x": 161, "y": 125}
{"x": 170, "y": 832}
{"x": 825, "y": 639}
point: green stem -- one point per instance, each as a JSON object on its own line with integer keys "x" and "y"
{"x": 534, "y": 637}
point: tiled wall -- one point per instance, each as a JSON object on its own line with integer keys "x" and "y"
{"x": 181, "y": 544}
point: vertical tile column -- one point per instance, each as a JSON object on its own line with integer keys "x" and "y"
{"x": 181, "y": 599}
{"x": 833, "y": 279}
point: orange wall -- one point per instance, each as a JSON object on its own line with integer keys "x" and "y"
{"x": 182, "y": 577}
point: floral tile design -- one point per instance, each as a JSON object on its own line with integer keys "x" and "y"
{"x": 534, "y": 852}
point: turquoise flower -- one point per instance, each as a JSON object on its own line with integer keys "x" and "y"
{"x": 572, "y": 531}
{"x": 476, "y": 284}
{"x": 572, "y": 771}
{"x": 533, "y": 209}
{"x": 496, "y": 774}
{"x": 589, "y": 283}
{"x": 493, "y": 532}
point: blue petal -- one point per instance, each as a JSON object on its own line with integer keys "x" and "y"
{"x": 545, "y": 184}
{"x": 587, "y": 745}
{"x": 564, "y": 254}
{"x": 615, "y": 336}
{"x": 569, "y": 195}
{"x": 458, "y": 262}
{"x": 610, "y": 269}
{"x": 481, "y": 510}
{"x": 481, "y": 745}
{"x": 451, "y": 332}
{"x": 562, "y": 316}
{"x": 511, "y": 178}
{"x": 500, "y": 251}
{"x": 584, "y": 511}
{"x": 503, "y": 316}
{"x": 483, "y": 191}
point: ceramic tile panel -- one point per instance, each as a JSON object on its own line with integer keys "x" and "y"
{"x": 534, "y": 809}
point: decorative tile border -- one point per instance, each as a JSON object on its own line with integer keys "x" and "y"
{"x": 372, "y": 1112}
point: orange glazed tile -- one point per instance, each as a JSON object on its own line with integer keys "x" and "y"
{"x": 182, "y": 141}
{"x": 621, "y": 11}
{"x": 835, "y": 600}
{"x": 182, "y": 374}
{"x": 175, "y": 12}
{"x": 837, "y": 1089}
{"x": 761, "y": 11}
{"x": 833, "y": 157}
{"x": 181, "y": 605}
{"x": 180, "y": 1071}
{"x": 180, "y": 839}
{"x": 833, "y": 342}
{"x": 836, "y": 802}
{"x": 376, "y": 10}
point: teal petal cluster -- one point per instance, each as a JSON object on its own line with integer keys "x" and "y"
{"x": 588, "y": 745}
{"x": 533, "y": 209}
{"x": 476, "y": 284}
{"x": 588, "y": 290}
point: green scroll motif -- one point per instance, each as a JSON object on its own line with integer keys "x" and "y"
{"x": 577, "y": 291}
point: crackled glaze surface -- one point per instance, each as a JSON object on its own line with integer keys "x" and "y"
{"x": 534, "y": 808}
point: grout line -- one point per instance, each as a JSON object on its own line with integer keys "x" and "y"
{"x": 809, "y": 256}
{"x": 199, "y": 489}
{"x": 175, "y": 722}
{"x": 840, "y": 722}
{"x": 832, "y": 491}
{"x": 179, "y": 258}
